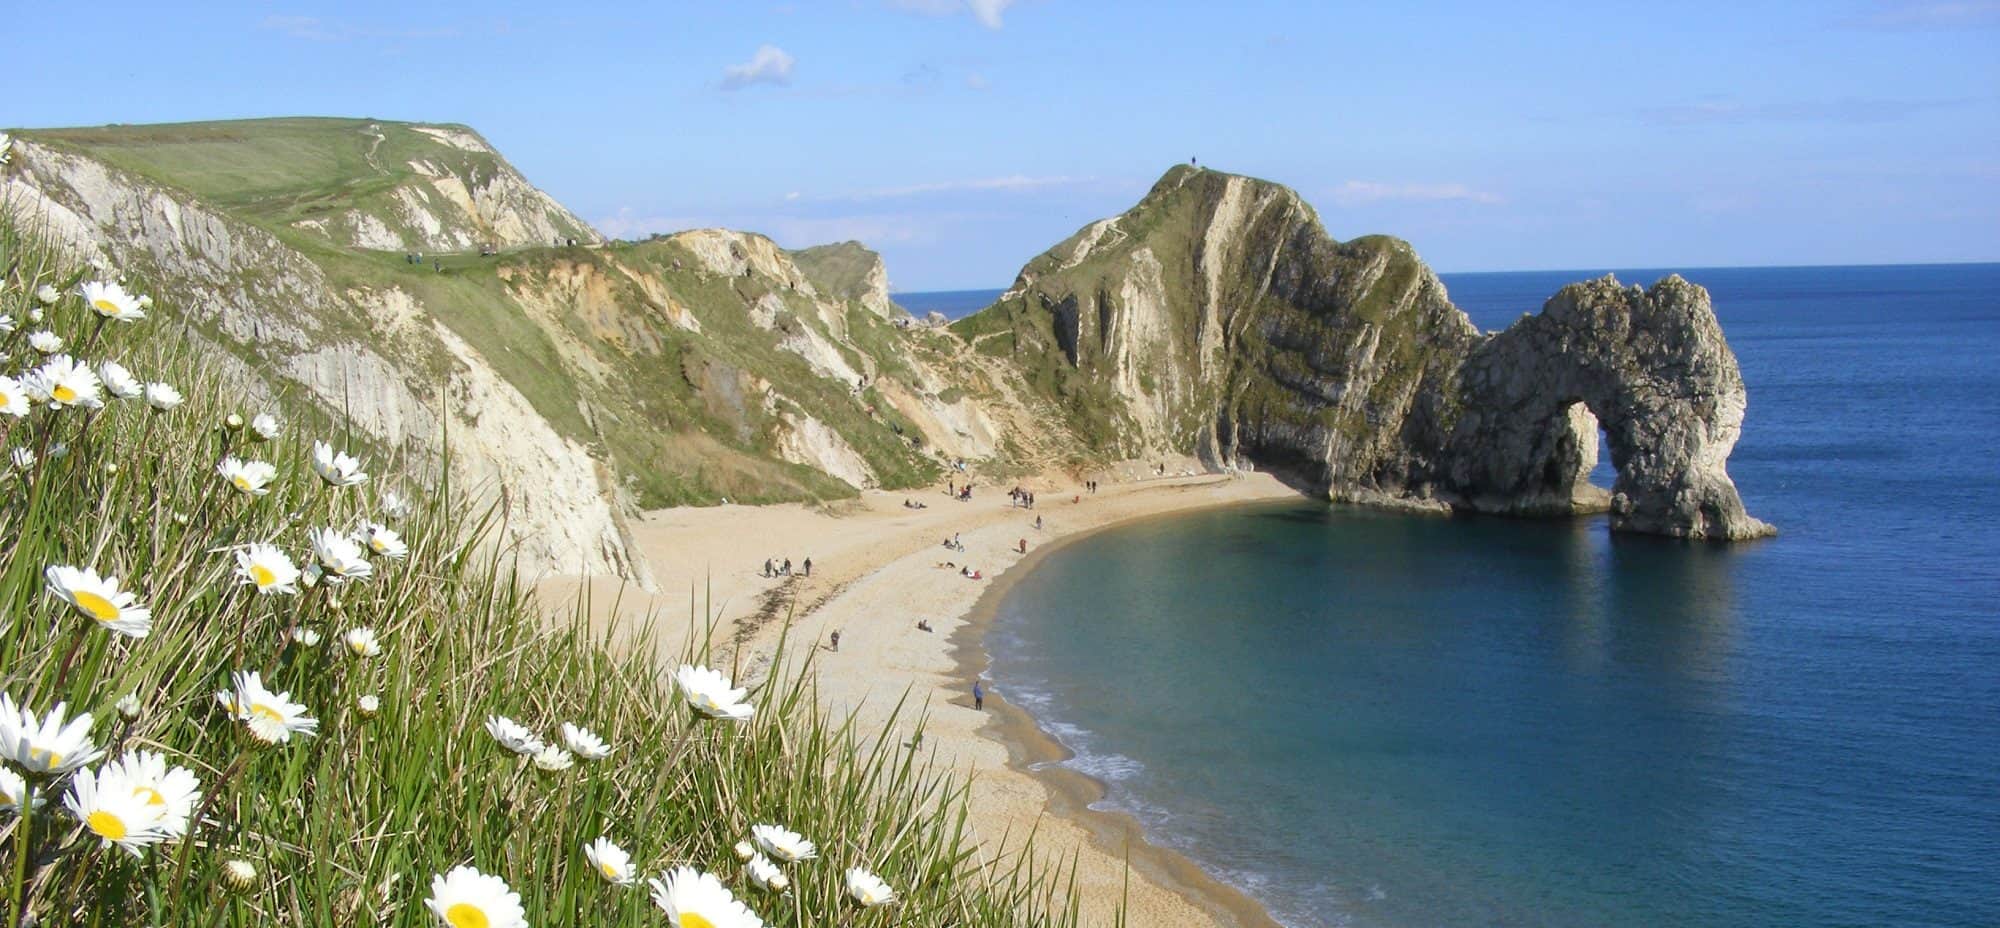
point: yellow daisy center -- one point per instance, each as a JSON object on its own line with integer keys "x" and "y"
{"x": 262, "y": 575}
{"x": 63, "y": 393}
{"x": 263, "y": 711}
{"x": 50, "y": 758}
{"x": 99, "y": 608}
{"x": 107, "y": 307}
{"x": 107, "y": 825}
{"x": 242, "y": 482}
{"x": 153, "y": 797}
{"x": 610, "y": 872}
{"x": 692, "y": 920}
{"x": 465, "y": 915}
{"x": 376, "y": 543}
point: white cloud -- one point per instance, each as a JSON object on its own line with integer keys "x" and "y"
{"x": 1011, "y": 182}
{"x": 1930, "y": 14}
{"x": 1848, "y": 111}
{"x": 1357, "y": 192}
{"x": 770, "y": 65}
{"x": 987, "y": 12}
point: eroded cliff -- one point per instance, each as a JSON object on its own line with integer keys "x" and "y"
{"x": 1218, "y": 317}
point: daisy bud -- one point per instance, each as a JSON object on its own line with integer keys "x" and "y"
{"x": 35, "y": 315}
{"x": 239, "y": 875}
{"x": 128, "y": 706}
{"x": 745, "y": 851}
{"x": 111, "y": 467}
{"x": 368, "y": 705}
{"x": 180, "y": 518}
{"x": 48, "y": 295}
{"x": 234, "y": 422}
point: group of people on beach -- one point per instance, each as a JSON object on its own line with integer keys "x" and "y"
{"x": 1024, "y": 499}
{"x": 775, "y": 567}
{"x": 960, "y": 493}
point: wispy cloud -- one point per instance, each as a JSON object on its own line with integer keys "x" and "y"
{"x": 987, "y": 12}
{"x": 1359, "y": 192}
{"x": 1851, "y": 111}
{"x": 770, "y": 65}
{"x": 1929, "y": 14}
{"x": 317, "y": 29}
{"x": 1008, "y": 183}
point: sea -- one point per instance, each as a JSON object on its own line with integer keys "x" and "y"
{"x": 1371, "y": 719}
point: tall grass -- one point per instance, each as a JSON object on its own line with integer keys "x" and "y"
{"x": 348, "y": 827}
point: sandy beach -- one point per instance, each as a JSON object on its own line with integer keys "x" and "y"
{"x": 878, "y": 567}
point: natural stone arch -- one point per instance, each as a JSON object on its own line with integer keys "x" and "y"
{"x": 1652, "y": 367}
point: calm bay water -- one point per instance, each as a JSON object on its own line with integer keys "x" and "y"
{"x": 1382, "y": 720}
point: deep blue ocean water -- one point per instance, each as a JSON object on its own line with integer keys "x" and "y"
{"x": 955, "y": 304}
{"x": 1383, "y": 720}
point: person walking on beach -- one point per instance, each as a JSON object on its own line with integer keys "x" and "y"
{"x": 1024, "y": 546}
{"x": 834, "y": 639}
{"x": 767, "y": 567}
{"x": 809, "y": 567}
{"x": 788, "y": 567}
{"x": 978, "y": 697}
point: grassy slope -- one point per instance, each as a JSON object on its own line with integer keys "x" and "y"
{"x": 670, "y": 422}
{"x": 279, "y": 171}
{"x": 346, "y": 827}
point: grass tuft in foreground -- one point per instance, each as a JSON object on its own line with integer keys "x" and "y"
{"x": 249, "y": 682}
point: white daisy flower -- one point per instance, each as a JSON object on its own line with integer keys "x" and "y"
{"x": 745, "y": 850}
{"x": 7, "y": 324}
{"x": 162, "y": 396}
{"x": 36, "y": 314}
{"x": 14, "y": 400}
{"x": 306, "y": 637}
{"x": 339, "y": 557}
{"x": 611, "y": 862}
{"x": 394, "y": 506}
{"x": 252, "y": 478}
{"x": 783, "y": 843}
{"x": 693, "y": 899}
{"x": 272, "y": 718}
{"x": 48, "y": 295}
{"x": 584, "y": 742}
{"x": 361, "y": 642}
{"x": 14, "y": 790}
{"x": 765, "y": 875}
{"x": 172, "y": 791}
{"x": 553, "y": 759}
{"x": 128, "y": 706}
{"x": 45, "y": 746}
{"x": 99, "y": 598}
{"x": 466, "y": 898}
{"x": 369, "y": 705}
{"x": 110, "y": 301}
{"x": 110, "y": 808}
{"x": 338, "y": 469}
{"x": 382, "y": 541}
{"x": 868, "y": 889}
{"x": 513, "y": 735}
{"x": 265, "y": 426}
{"x": 710, "y": 693}
{"x": 118, "y": 381}
{"x": 62, "y": 383}
{"x": 268, "y": 569}
{"x": 45, "y": 341}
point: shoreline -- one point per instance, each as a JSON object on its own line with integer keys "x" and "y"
{"x": 879, "y": 568}
{"x": 1035, "y": 753}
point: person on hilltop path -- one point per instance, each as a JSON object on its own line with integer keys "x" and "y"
{"x": 978, "y": 697}
{"x": 809, "y": 567}
{"x": 767, "y": 567}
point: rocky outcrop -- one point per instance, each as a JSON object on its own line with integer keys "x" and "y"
{"x": 1650, "y": 367}
{"x": 850, "y": 271}
{"x": 1217, "y": 317}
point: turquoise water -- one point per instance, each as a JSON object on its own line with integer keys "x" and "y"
{"x": 1381, "y": 720}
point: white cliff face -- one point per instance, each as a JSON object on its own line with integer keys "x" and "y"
{"x": 265, "y": 300}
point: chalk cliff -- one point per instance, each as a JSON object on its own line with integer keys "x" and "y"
{"x": 1218, "y": 317}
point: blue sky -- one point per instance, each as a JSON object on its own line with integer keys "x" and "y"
{"x": 961, "y": 137}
